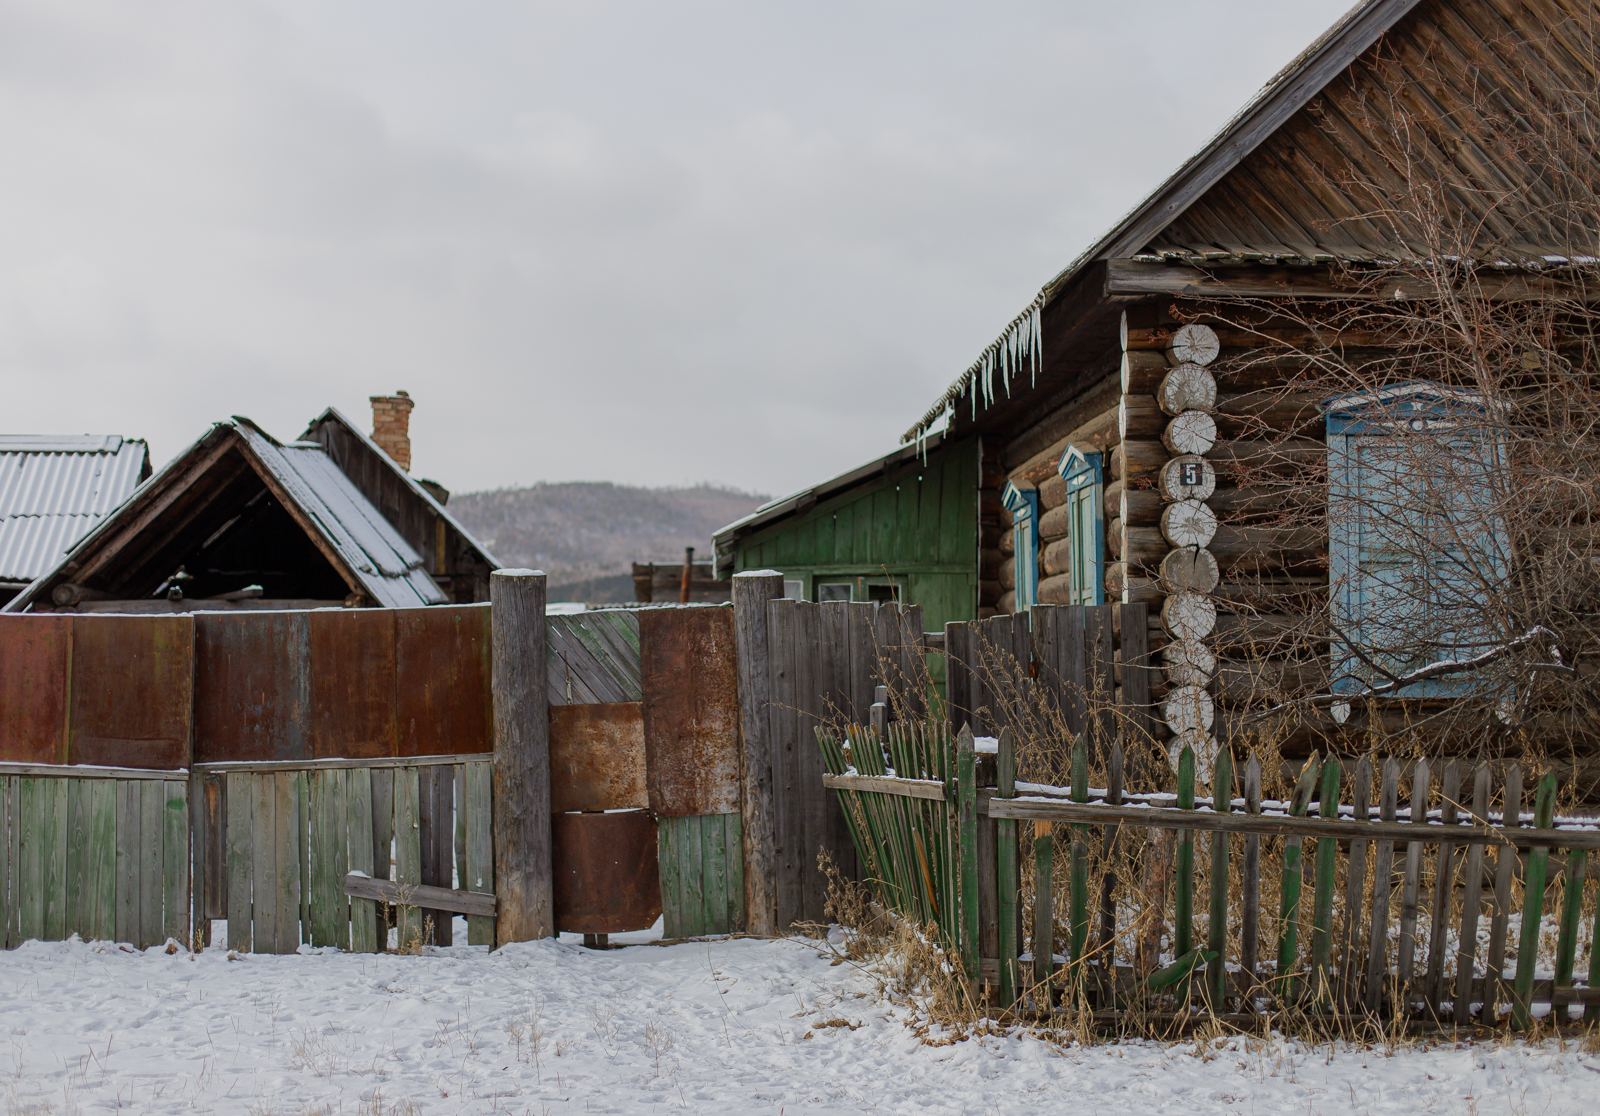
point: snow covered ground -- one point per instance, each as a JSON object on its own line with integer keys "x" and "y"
{"x": 727, "y": 1026}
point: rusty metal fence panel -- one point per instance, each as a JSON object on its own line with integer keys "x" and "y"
{"x": 35, "y": 652}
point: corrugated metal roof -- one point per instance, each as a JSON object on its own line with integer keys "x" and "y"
{"x": 54, "y": 490}
{"x": 380, "y": 557}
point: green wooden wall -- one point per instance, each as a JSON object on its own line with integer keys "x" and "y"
{"x": 916, "y": 526}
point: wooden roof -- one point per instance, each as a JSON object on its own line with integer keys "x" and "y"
{"x": 1295, "y": 177}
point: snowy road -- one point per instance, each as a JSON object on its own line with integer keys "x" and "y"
{"x": 726, "y": 1026}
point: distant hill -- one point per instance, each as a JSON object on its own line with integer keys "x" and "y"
{"x": 587, "y": 534}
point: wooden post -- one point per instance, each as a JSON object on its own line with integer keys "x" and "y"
{"x": 524, "y": 875}
{"x": 688, "y": 575}
{"x": 967, "y": 823}
{"x": 751, "y": 592}
{"x": 1006, "y": 870}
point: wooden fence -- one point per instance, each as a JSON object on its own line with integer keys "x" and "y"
{"x": 1355, "y": 946}
{"x": 98, "y": 852}
{"x": 276, "y": 846}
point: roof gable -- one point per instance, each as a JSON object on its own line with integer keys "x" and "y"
{"x": 209, "y": 483}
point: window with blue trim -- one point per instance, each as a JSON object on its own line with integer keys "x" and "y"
{"x": 1085, "y": 524}
{"x": 1417, "y": 556}
{"x": 1023, "y": 504}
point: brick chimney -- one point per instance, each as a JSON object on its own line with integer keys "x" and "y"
{"x": 391, "y": 426}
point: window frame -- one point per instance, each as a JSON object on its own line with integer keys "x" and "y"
{"x": 1023, "y": 504}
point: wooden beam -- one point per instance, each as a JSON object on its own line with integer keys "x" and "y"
{"x": 1127, "y": 278}
{"x": 931, "y": 789}
{"x": 419, "y": 895}
{"x": 751, "y": 592}
{"x": 524, "y": 874}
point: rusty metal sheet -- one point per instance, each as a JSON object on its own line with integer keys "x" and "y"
{"x": 607, "y": 880}
{"x": 352, "y": 683}
{"x": 597, "y": 757}
{"x": 691, "y": 710}
{"x": 34, "y": 655}
{"x": 442, "y": 680}
{"x": 132, "y": 694}
{"x": 252, "y": 686}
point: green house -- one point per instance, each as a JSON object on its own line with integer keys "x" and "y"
{"x": 901, "y": 528}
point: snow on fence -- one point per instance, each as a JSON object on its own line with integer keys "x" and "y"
{"x": 1399, "y": 936}
{"x": 101, "y": 852}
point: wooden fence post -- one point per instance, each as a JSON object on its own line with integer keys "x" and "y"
{"x": 524, "y": 875}
{"x": 751, "y": 592}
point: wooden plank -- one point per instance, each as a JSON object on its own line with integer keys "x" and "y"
{"x": 713, "y": 837}
{"x": 1382, "y": 883}
{"x": 733, "y": 826}
{"x": 752, "y": 592}
{"x": 408, "y": 854}
{"x": 1443, "y": 890}
{"x": 54, "y": 852}
{"x": 1007, "y": 875}
{"x": 331, "y": 924}
{"x": 524, "y": 872}
{"x": 428, "y": 843}
{"x": 1327, "y": 864}
{"x": 265, "y": 865}
{"x": 365, "y": 889}
{"x": 783, "y": 727}
{"x": 76, "y": 891}
{"x": 1106, "y": 951}
{"x": 175, "y": 911}
{"x": 667, "y": 869}
{"x": 1043, "y": 909}
{"x": 1567, "y": 926}
{"x": 459, "y": 805}
{"x": 1405, "y": 962}
{"x": 201, "y": 840}
{"x": 1217, "y": 921}
{"x": 1099, "y": 648}
{"x": 9, "y": 835}
{"x": 322, "y": 882}
{"x": 480, "y": 849}
{"x": 300, "y": 821}
{"x": 128, "y": 834}
{"x": 692, "y": 852}
{"x": 102, "y": 867}
{"x": 438, "y": 783}
{"x": 1355, "y": 889}
{"x": 1533, "y": 906}
{"x": 1250, "y": 882}
{"x": 314, "y": 765}
{"x": 367, "y": 925}
{"x": 30, "y": 859}
{"x": 239, "y": 836}
{"x": 152, "y": 805}
{"x": 1183, "y": 899}
{"x": 930, "y": 789}
{"x": 811, "y": 672}
{"x": 1136, "y": 672}
{"x": 967, "y": 820}
{"x": 1471, "y": 902}
{"x": 1504, "y": 873}
{"x": 290, "y": 805}
{"x": 383, "y": 779}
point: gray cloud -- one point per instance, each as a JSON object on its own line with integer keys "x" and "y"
{"x": 642, "y": 242}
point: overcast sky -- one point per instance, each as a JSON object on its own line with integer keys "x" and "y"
{"x": 655, "y": 243}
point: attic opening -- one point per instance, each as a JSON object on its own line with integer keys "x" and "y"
{"x": 226, "y": 534}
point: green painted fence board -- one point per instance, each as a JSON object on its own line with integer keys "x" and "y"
{"x": 1533, "y": 906}
{"x": 101, "y": 872}
{"x": 366, "y": 934}
{"x": 480, "y": 846}
{"x": 9, "y": 860}
{"x": 152, "y": 805}
{"x": 1327, "y": 866}
{"x": 702, "y": 874}
{"x": 264, "y": 866}
{"x": 77, "y": 892}
{"x": 175, "y": 862}
{"x": 54, "y": 854}
{"x": 1217, "y": 925}
{"x": 287, "y": 812}
{"x": 300, "y": 819}
{"x": 30, "y": 865}
{"x": 408, "y": 850}
{"x": 240, "y": 856}
{"x": 128, "y": 832}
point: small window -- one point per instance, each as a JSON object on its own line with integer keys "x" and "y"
{"x": 883, "y": 592}
{"x": 1023, "y": 503}
{"x": 794, "y": 590}
{"x": 833, "y": 590}
{"x": 1085, "y": 525}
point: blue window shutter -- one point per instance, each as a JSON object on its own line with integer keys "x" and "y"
{"x": 1023, "y": 503}
{"x": 1085, "y": 524}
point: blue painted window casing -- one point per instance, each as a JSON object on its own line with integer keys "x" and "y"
{"x": 1416, "y": 548}
{"x": 1086, "y": 524}
{"x": 1023, "y": 504}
